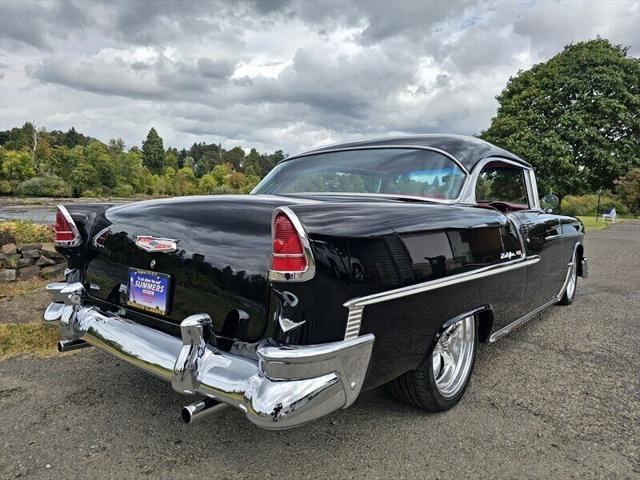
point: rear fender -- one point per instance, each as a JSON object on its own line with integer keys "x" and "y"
{"x": 83, "y": 217}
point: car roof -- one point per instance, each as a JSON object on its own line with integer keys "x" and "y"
{"x": 467, "y": 150}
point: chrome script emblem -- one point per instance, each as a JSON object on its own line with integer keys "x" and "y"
{"x": 154, "y": 244}
{"x": 510, "y": 255}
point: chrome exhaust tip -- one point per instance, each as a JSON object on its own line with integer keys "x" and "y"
{"x": 197, "y": 410}
{"x": 69, "y": 345}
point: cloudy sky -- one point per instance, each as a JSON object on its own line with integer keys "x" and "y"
{"x": 280, "y": 74}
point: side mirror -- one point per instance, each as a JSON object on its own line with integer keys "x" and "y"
{"x": 549, "y": 202}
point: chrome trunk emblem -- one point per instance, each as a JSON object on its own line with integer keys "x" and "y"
{"x": 155, "y": 244}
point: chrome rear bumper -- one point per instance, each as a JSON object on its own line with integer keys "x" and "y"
{"x": 287, "y": 385}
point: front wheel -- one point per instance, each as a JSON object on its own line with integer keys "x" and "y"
{"x": 439, "y": 383}
{"x": 572, "y": 283}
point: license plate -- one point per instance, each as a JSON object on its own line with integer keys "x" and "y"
{"x": 149, "y": 290}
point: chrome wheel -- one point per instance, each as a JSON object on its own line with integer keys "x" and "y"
{"x": 452, "y": 357}
{"x": 573, "y": 278}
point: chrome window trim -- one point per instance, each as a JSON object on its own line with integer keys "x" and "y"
{"x": 388, "y": 147}
{"x": 310, "y": 271}
{"x": 77, "y": 240}
{"x": 375, "y": 195}
{"x": 469, "y": 190}
{"x": 534, "y": 190}
{"x": 98, "y": 235}
{"x": 356, "y": 305}
{"x": 382, "y": 147}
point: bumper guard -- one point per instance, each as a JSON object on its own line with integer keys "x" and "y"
{"x": 287, "y": 385}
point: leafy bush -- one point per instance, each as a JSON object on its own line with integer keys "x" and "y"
{"x": 21, "y": 231}
{"x": 587, "y": 204}
{"x": 123, "y": 190}
{"x": 43, "y": 187}
{"x": 222, "y": 190}
{"x": 628, "y": 189}
{"x": 93, "y": 193}
{"x": 5, "y": 187}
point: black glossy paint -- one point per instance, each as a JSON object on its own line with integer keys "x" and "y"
{"x": 361, "y": 246}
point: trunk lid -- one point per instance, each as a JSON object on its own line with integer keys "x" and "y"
{"x": 219, "y": 267}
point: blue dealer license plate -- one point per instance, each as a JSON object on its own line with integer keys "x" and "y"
{"x": 149, "y": 290}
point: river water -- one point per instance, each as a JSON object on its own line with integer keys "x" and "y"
{"x": 40, "y": 210}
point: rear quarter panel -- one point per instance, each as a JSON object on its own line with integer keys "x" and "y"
{"x": 363, "y": 248}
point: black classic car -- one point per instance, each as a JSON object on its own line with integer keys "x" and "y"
{"x": 348, "y": 267}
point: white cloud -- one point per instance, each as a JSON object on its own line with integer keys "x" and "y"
{"x": 290, "y": 74}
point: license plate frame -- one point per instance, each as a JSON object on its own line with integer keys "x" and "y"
{"x": 149, "y": 291}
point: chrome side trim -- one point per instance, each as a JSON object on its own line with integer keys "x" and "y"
{"x": 442, "y": 282}
{"x": 525, "y": 318}
{"x": 354, "y": 320}
{"x": 310, "y": 271}
{"x": 355, "y": 316}
{"x": 77, "y": 240}
{"x": 521, "y": 321}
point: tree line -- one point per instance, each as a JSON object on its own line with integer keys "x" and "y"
{"x": 37, "y": 162}
{"x": 575, "y": 118}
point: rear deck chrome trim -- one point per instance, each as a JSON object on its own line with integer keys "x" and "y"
{"x": 356, "y": 305}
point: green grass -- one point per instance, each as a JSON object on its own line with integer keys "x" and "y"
{"x": 12, "y": 289}
{"x": 27, "y": 339}
{"x": 591, "y": 224}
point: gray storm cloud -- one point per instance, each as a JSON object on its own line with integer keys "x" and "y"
{"x": 286, "y": 74}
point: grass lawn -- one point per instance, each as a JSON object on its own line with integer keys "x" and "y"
{"x": 591, "y": 224}
{"x": 27, "y": 339}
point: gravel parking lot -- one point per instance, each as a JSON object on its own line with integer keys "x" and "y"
{"x": 559, "y": 398}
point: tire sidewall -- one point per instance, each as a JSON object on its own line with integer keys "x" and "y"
{"x": 446, "y": 403}
{"x": 566, "y": 300}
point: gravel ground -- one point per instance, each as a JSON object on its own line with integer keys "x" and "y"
{"x": 559, "y": 398}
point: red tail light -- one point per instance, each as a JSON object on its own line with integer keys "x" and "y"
{"x": 67, "y": 234}
{"x": 291, "y": 258}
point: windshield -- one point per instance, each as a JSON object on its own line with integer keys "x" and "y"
{"x": 396, "y": 171}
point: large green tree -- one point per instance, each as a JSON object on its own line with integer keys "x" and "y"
{"x": 153, "y": 152}
{"x": 576, "y": 117}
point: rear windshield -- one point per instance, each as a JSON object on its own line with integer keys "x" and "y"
{"x": 400, "y": 171}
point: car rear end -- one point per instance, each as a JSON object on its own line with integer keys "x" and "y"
{"x": 196, "y": 291}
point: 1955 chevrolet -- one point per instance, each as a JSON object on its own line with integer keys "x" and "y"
{"x": 348, "y": 267}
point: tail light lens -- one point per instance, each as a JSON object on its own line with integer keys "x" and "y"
{"x": 67, "y": 234}
{"x": 291, "y": 258}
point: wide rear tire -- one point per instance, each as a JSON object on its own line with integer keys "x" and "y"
{"x": 440, "y": 382}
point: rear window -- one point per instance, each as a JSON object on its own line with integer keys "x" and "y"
{"x": 399, "y": 171}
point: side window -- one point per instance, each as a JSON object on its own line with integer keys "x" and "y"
{"x": 502, "y": 184}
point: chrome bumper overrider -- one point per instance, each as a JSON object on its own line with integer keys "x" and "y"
{"x": 287, "y": 386}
